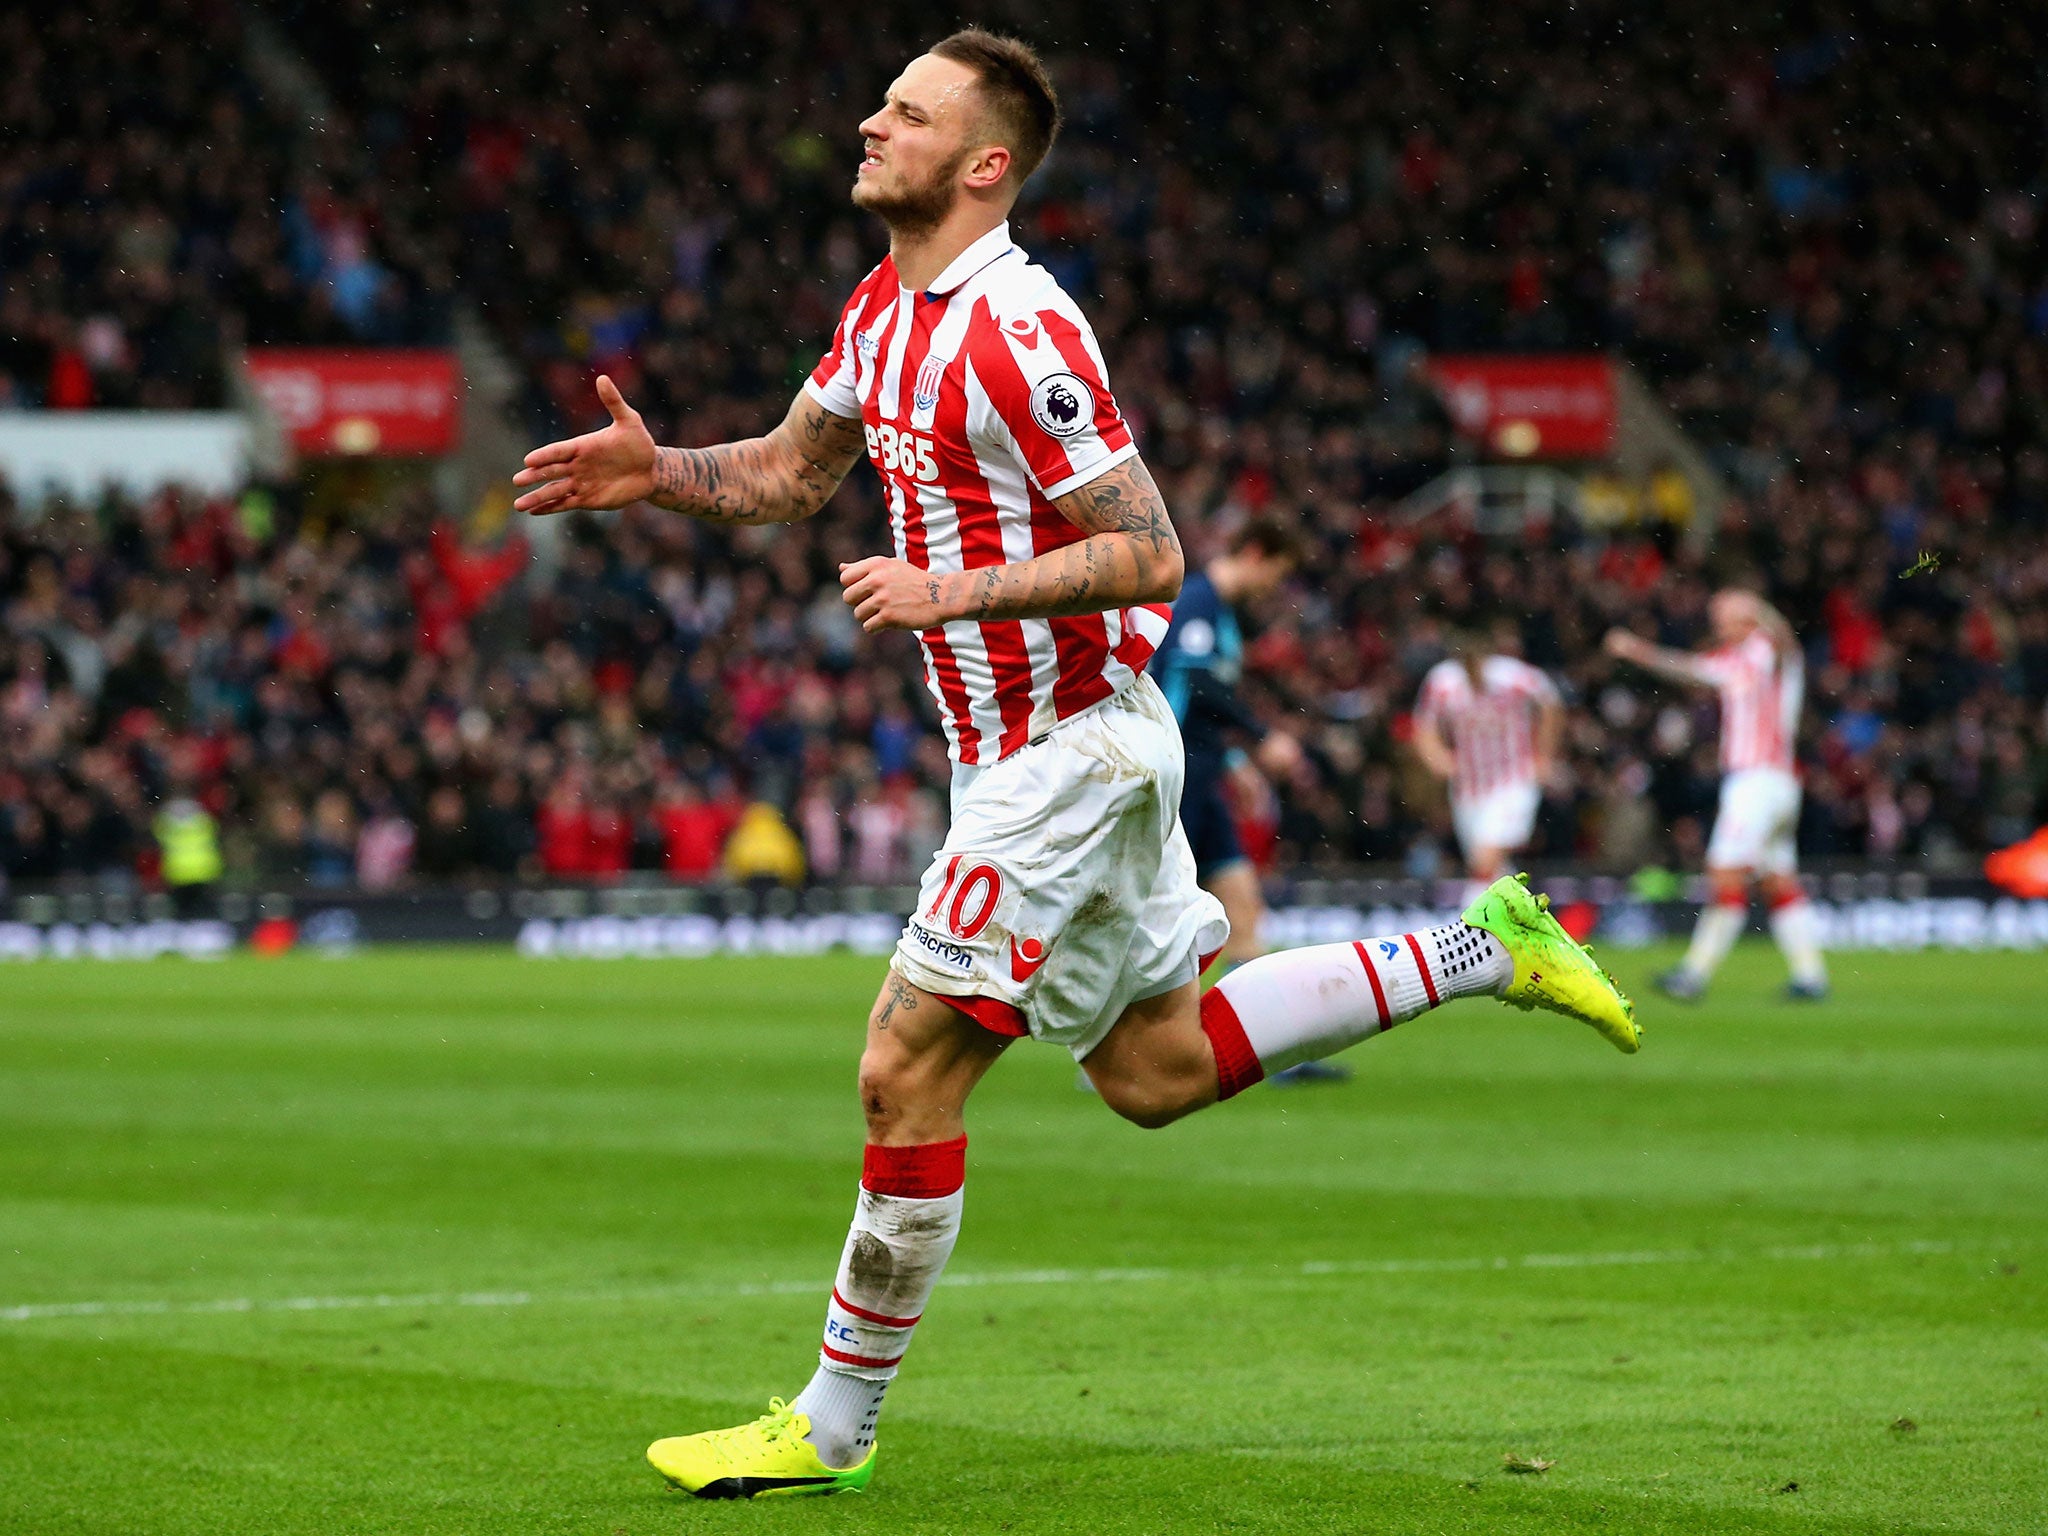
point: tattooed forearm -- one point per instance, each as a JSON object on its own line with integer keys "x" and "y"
{"x": 732, "y": 483}
{"x": 1131, "y": 555}
{"x": 780, "y": 478}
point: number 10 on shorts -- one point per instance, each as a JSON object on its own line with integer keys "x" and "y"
{"x": 969, "y": 897}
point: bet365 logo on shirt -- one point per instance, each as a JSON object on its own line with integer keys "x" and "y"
{"x": 905, "y": 452}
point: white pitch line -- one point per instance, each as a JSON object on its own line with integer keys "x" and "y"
{"x": 1313, "y": 1269}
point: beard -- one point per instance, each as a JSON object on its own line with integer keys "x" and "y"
{"x": 912, "y": 209}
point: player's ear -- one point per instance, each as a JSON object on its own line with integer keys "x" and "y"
{"x": 988, "y": 167}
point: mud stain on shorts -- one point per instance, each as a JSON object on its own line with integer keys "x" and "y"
{"x": 1098, "y": 911}
{"x": 1108, "y": 760}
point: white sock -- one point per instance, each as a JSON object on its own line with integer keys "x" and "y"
{"x": 1719, "y": 926}
{"x": 1301, "y": 1004}
{"x": 1798, "y": 934}
{"x": 842, "y": 1409}
{"x": 904, "y": 1228}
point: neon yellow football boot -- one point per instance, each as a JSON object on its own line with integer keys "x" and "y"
{"x": 760, "y": 1460}
{"x": 1552, "y": 970}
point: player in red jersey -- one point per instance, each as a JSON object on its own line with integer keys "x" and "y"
{"x": 1757, "y": 669}
{"x": 1489, "y": 724}
{"x": 1034, "y": 560}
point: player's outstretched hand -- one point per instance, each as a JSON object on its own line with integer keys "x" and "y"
{"x": 612, "y": 467}
{"x": 890, "y": 594}
{"x": 1623, "y": 643}
{"x": 1279, "y": 754}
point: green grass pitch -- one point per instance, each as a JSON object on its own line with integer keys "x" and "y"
{"x": 437, "y": 1242}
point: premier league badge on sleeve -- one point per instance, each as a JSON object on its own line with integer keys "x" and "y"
{"x": 1062, "y": 404}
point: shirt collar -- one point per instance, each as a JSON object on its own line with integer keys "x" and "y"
{"x": 989, "y": 247}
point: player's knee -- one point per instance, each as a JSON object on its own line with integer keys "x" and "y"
{"x": 1149, "y": 1103}
{"x": 888, "y": 1086}
{"x": 1730, "y": 887}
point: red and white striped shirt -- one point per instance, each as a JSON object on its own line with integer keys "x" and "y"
{"x": 985, "y": 399}
{"x": 1760, "y": 697}
{"x": 1492, "y": 730}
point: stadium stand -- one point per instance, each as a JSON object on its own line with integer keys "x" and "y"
{"x": 154, "y": 206}
{"x": 1853, "y": 323}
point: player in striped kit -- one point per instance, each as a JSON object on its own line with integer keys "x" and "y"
{"x": 1034, "y": 560}
{"x": 1490, "y": 724}
{"x": 1756, "y": 667}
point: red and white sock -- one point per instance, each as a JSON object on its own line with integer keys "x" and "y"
{"x": 1301, "y": 1004}
{"x": 904, "y": 1228}
{"x": 1797, "y": 929}
{"x": 1720, "y": 925}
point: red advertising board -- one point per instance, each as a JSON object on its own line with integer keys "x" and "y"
{"x": 361, "y": 400}
{"x": 1531, "y": 407}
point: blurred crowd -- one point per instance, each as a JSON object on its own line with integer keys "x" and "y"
{"x": 377, "y": 705}
{"x": 1818, "y": 238}
{"x": 158, "y": 209}
{"x": 368, "y": 705}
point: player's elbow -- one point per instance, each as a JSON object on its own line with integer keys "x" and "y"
{"x": 797, "y": 499}
{"x": 1163, "y": 575}
{"x": 800, "y": 485}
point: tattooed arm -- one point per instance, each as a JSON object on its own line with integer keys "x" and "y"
{"x": 1131, "y": 555}
{"x": 780, "y": 478}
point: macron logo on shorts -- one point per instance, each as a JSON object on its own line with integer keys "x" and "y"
{"x": 946, "y": 953}
{"x": 1025, "y": 959}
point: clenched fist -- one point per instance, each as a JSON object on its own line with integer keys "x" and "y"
{"x": 893, "y": 594}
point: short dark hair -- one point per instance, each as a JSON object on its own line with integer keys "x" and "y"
{"x": 1272, "y": 538}
{"x": 1020, "y": 97}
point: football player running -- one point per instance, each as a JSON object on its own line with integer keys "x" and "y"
{"x": 1757, "y": 669}
{"x": 1034, "y": 560}
{"x": 1489, "y": 724}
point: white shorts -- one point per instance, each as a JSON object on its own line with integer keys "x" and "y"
{"x": 1757, "y": 825}
{"x": 1065, "y": 890}
{"x": 1501, "y": 818}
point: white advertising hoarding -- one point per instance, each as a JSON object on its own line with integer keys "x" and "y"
{"x": 77, "y": 454}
